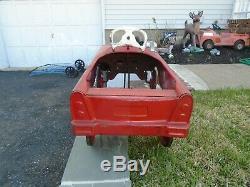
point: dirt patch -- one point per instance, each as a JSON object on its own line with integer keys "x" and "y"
{"x": 228, "y": 56}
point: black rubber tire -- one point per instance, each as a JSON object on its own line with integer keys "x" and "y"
{"x": 90, "y": 140}
{"x": 239, "y": 45}
{"x": 71, "y": 72}
{"x": 208, "y": 45}
{"x": 166, "y": 141}
{"x": 80, "y": 65}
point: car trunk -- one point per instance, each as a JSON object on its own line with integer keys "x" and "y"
{"x": 130, "y": 105}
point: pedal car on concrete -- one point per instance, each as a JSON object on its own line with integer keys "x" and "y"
{"x": 162, "y": 109}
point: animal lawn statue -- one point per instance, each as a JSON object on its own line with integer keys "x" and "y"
{"x": 193, "y": 29}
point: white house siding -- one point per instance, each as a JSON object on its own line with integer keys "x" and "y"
{"x": 38, "y": 32}
{"x": 241, "y": 9}
{"x": 3, "y": 56}
{"x": 168, "y": 13}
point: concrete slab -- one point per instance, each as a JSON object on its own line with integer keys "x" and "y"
{"x": 17, "y": 69}
{"x": 189, "y": 77}
{"x": 83, "y": 167}
{"x": 219, "y": 76}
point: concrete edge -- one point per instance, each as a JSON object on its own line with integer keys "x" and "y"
{"x": 83, "y": 157}
{"x": 189, "y": 77}
{"x": 125, "y": 182}
{"x": 17, "y": 69}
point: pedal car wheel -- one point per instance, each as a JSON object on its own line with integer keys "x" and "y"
{"x": 71, "y": 72}
{"x": 166, "y": 141}
{"x": 80, "y": 65}
{"x": 208, "y": 45}
{"x": 152, "y": 82}
{"x": 90, "y": 140}
{"x": 239, "y": 45}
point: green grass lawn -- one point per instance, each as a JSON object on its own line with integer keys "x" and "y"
{"x": 216, "y": 153}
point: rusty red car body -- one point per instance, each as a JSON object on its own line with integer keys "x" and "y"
{"x": 99, "y": 110}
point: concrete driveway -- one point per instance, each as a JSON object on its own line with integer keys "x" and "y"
{"x": 218, "y": 76}
{"x": 35, "y": 138}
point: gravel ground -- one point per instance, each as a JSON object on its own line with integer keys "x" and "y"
{"x": 35, "y": 137}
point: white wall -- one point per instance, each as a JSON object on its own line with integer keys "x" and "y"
{"x": 38, "y": 32}
{"x": 241, "y": 9}
{"x": 3, "y": 56}
{"x": 173, "y": 12}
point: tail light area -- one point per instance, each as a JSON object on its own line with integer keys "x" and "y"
{"x": 183, "y": 109}
{"x": 78, "y": 107}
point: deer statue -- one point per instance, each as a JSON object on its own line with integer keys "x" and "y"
{"x": 193, "y": 29}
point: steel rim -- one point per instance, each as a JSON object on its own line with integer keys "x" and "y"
{"x": 240, "y": 46}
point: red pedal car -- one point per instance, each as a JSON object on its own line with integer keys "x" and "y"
{"x": 209, "y": 39}
{"x": 159, "y": 104}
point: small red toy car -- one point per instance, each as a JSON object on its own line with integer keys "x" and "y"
{"x": 162, "y": 106}
{"x": 209, "y": 39}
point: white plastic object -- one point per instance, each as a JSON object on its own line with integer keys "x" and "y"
{"x": 208, "y": 34}
{"x": 128, "y": 37}
{"x": 152, "y": 45}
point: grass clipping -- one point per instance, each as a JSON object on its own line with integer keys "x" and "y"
{"x": 216, "y": 152}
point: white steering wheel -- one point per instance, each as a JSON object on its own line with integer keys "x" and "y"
{"x": 128, "y": 37}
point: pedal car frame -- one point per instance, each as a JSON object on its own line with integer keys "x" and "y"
{"x": 99, "y": 110}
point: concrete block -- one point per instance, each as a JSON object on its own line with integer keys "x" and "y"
{"x": 83, "y": 167}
